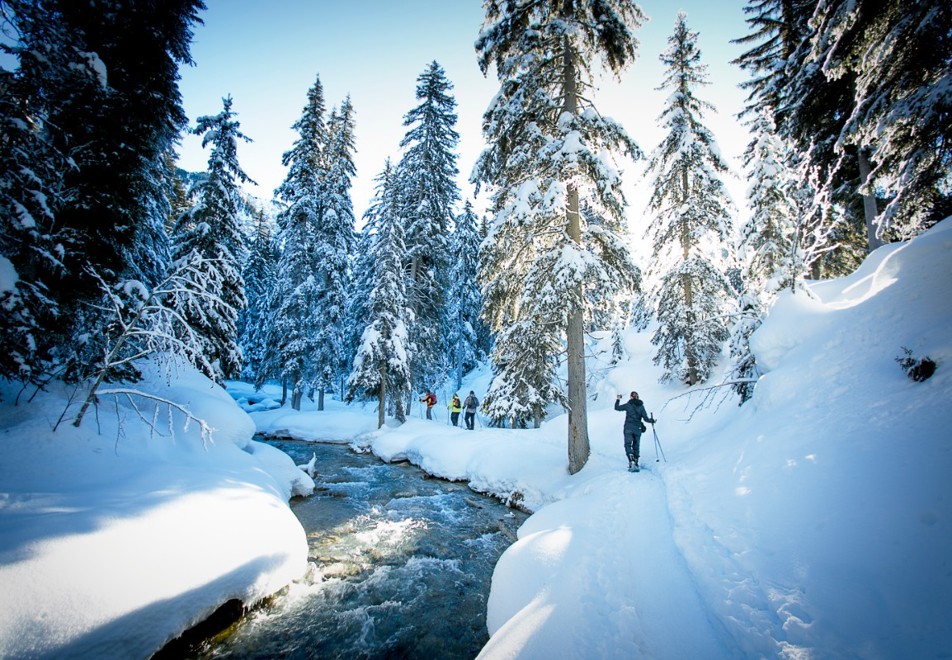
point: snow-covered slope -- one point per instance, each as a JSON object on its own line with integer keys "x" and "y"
{"x": 114, "y": 541}
{"x": 815, "y": 521}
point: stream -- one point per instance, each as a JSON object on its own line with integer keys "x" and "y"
{"x": 401, "y": 566}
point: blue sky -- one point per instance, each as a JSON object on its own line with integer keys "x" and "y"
{"x": 266, "y": 54}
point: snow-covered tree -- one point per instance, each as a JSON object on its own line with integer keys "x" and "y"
{"x": 90, "y": 111}
{"x": 691, "y": 228}
{"x": 333, "y": 243}
{"x": 209, "y": 232}
{"x": 896, "y": 56}
{"x": 520, "y": 390}
{"x": 381, "y": 365}
{"x": 549, "y": 149}
{"x": 767, "y": 244}
{"x": 259, "y": 274}
{"x": 428, "y": 194}
{"x": 296, "y": 322}
{"x": 464, "y": 303}
{"x": 807, "y": 109}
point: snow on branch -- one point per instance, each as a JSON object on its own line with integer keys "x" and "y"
{"x": 159, "y": 402}
{"x": 145, "y": 323}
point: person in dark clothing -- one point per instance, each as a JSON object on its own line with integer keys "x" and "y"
{"x": 635, "y": 413}
{"x": 470, "y": 405}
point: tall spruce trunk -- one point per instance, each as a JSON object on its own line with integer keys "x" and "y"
{"x": 575, "y": 328}
{"x": 689, "y": 355}
{"x": 382, "y": 395}
{"x": 869, "y": 201}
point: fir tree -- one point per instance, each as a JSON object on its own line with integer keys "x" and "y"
{"x": 767, "y": 246}
{"x": 465, "y": 302}
{"x": 428, "y": 194}
{"x": 97, "y": 110}
{"x": 381, "y": 365}
{"x": 545, "y": 154}
{"x": 333, "y": 244}
{"x": 259, "y": 275}
{"x": 208, "y": 234}
{"x": 691, "y": 228}
{"x": 806, "y": 107}
{"x": 896, "y": 56}
{"x": 296, "y": 325}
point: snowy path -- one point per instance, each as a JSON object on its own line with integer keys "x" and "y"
{"x": 607, "y": 555}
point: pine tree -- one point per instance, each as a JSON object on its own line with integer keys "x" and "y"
{"x": 333, "y": 244}
{"x": 96, "y": 90}
{"x": 465, "y": 302}
{"x": 895, "y": 56}
{"x": 259, "y": 275}
{"x": 209, "y": 232}
{"x": 296, "y": 326}
{"x": 691, "y": 228}
{"x": 381, "y": 365}
{"x": 767, "y": 246}
{"x": 546, "y": 152}
{"x": 428, "y": 194}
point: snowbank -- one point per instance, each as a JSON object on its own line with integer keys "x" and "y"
{"x": 114, "y": 540}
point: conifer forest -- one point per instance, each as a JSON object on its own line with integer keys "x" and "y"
{"x": 111, "y": 253}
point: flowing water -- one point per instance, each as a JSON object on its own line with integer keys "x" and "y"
{"x": 402, "y": 565}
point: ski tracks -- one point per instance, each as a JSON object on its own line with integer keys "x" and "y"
{"x": 647, "y": 591}
{"x": 745, "y": 611}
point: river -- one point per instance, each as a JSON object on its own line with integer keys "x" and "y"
{"x": 401, "y": 566}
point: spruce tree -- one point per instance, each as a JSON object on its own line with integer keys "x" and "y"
{"x": 767, "y": 244}
{"x": 259, "y": 274}
{"x": 428, "y": 195}
{"x": 381, "y": 365}
{"x": 546, "y": 151}
{"x": 209, "y": 236}
{"x": 96, "y": 90}
{"x": 296, "y": 325}
{"x": 333, "y": 244}
{"x": 464, "y": 301}
{"x": 895, "y": 56}
{"x": 691, "y": 228}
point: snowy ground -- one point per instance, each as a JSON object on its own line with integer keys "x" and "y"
{"x": 813, "y": 522}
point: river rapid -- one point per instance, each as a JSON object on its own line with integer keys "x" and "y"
{"x": 401, "y": 566}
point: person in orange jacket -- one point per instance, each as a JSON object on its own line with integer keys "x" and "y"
{"x": 430, "y": 399}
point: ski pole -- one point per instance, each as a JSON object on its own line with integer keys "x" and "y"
{"x": 657, "y": 442}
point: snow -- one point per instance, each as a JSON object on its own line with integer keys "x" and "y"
{"x": 8, "y": 276}
{"x": 813, "y": 522}
{"x": 112, "y": 543}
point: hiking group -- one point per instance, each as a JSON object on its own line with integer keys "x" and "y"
{"x": 471, "y": 404}
{"x": 634, "y": 409}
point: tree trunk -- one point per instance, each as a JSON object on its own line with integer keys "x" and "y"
{"x": 686, "y": 283}
{"x": 382, "y": 395}
{"x": 869, "y": 201}
{"x": 284, "y": 390}
{"x": 575, "y": 326}
{"x": 320, "y": 398}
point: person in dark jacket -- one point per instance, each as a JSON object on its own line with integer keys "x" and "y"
{"x": 634, "y": 415}
{"x": 471, "y": 404}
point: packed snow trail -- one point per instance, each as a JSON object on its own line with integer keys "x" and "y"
{"x": 610, "y": 554}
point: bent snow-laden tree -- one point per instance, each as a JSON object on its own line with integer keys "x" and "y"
{"x": 547, "y": 152}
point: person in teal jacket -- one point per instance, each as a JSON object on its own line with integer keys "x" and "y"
{"x": 635, "y": 414}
